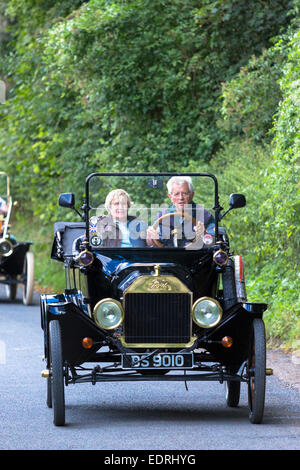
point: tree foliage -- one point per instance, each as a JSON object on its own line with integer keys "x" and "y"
{"x": 121, "y": 85}
{"x": 162, "y": 85}
{"x": 271, "y": 181}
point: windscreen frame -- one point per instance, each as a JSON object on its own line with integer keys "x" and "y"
{"x": 86, "y": 206}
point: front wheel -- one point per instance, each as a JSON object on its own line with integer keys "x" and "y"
{"x": 49, "y": 392}
{"x": 232, "y": 393}
{"x": 11, "y": 290}
{"x": 56, "y": 396}
{"x": 29, "y": 278}
{"x": 257, "y": 372}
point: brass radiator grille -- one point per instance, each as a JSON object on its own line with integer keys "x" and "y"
{"x": 157, "y": 318}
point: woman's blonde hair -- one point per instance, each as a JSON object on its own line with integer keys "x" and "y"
{"x": 116, "y": 193}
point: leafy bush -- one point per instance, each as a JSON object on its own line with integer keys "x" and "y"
{"x": 251, "y": 99}
{"x": 105, "y": 85}
{"x": 270, "y": 175}
{"x": 161, "y": 85}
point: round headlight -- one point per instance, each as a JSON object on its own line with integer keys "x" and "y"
{"x": 85, "y": 258}
{"x": 6, "y": 248}
{"x": 220, "y": 258}
{"x": 207, "y": 312}
{"x": 108, "y": 313}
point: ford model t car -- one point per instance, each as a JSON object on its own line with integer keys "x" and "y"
{"x": 16, "y": 259}
{"x": 153, "y": 291}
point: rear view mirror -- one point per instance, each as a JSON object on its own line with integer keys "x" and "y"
{"x": 155, "y": 183}
{"x": 236, "y": 201}
{"x": 67, "y": 200}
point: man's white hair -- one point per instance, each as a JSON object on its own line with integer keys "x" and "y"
{"x": 119, "y": 193}
{"x": 180, "y": 180}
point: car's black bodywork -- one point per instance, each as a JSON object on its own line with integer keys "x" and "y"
{"x": 157, "y": 337}
{"x": 16, "y": 259}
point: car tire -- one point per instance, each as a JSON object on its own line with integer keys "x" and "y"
{"x": 29, "y": 278}
{"x": 49, "y": 393}
{"x": 11, "y": 291}
{"x": 257, "y": 372}
{"x": 232, "y": 393}
{"x": 57, "y": 374}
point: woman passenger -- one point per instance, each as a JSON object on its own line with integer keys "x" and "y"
{"x": 118, "y": 229}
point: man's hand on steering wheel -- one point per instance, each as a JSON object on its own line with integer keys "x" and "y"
{"x": 153, "y": 237}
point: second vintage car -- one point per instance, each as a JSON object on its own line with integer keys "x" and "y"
{"x": 16, "y": 259}
{"x": 153, "y": 291}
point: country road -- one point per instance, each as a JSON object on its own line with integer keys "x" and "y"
{"x": 123, "y": 416}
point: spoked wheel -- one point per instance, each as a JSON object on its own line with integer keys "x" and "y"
{"x": 56, "y": 395}
{"x": 257, "y": 372}
{"x": 232, "y": 393}
{"x": 11, "y": 291}
{"x": 29, "y": 278}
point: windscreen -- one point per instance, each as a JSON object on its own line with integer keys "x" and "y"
{"x": 141, "y": 211}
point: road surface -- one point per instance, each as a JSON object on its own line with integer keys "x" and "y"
{"x": 127, "y": 416}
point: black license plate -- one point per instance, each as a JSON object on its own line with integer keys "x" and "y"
{"x": 158, "y": 361}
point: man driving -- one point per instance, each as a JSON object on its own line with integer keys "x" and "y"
{"x": 184, "y": 221}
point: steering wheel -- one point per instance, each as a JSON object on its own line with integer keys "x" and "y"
{"x": 184, "y": 216}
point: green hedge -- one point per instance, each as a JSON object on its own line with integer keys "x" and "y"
{"x": 161, "y": 85}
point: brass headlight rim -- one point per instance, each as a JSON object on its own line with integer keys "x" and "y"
{"x": 164, "y": 283}
{"x": 108, "y": 299}
{"x": 219, "y": 308}
{"x": 4, "y": 240}
{"x": 82, "y": 253}
{"x": 215, "y": 254}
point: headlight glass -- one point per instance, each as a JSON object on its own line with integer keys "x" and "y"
{"x": 220, "y": 258}
{"x": 207, "y": 312}
{"x": 108, "y": 313}
{"x": 86, "y": 258}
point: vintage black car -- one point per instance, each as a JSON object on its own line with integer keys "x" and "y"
{"x": 16, "y": 259}
{"x": 153, "y": 291}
